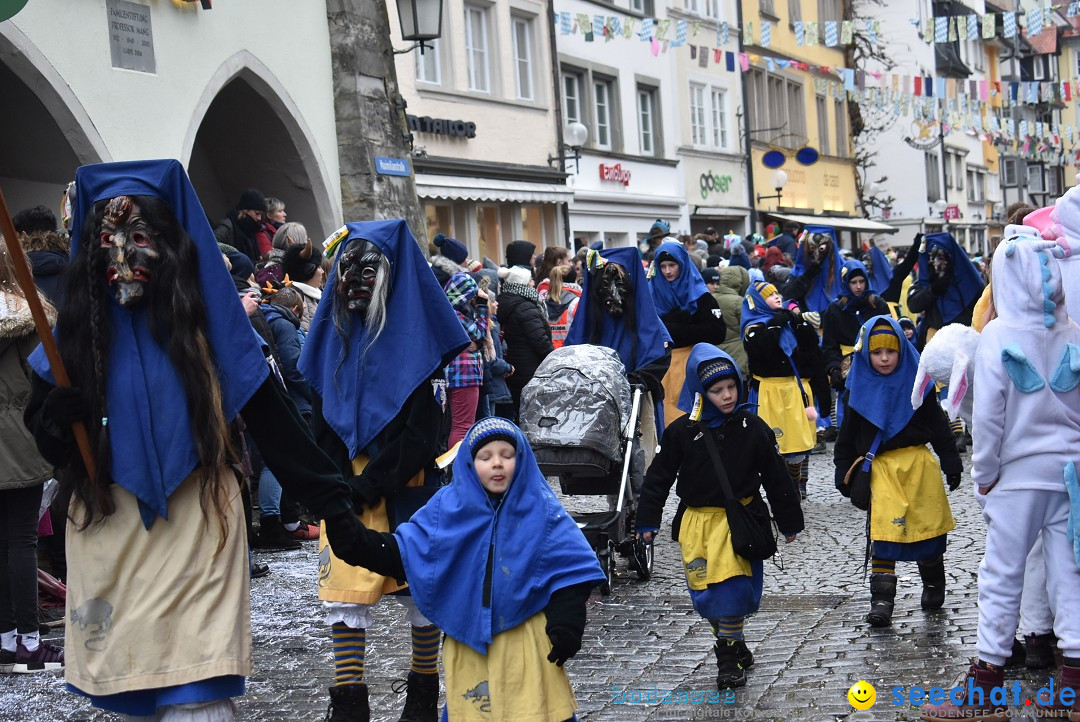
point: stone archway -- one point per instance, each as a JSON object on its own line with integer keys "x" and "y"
{"x": 247, "y": 133}
{"x": 45, "y": 133}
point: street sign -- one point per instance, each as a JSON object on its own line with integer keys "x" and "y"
{"x": 391, "y": 166}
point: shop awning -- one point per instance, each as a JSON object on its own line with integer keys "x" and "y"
{"x": 455, "y": 187}
{"x": 862, "y": 225}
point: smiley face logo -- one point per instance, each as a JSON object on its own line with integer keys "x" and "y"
{"x": 862, "y": 695}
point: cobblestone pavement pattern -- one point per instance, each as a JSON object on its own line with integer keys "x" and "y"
{"x": 810, "y": 640}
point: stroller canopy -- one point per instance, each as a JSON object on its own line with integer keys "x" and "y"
{"x": 578, "y": 398}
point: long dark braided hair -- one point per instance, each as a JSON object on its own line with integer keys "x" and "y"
{"x": 178, "y": 322}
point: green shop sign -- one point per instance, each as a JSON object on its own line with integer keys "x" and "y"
{"x": 8, "y": 8}
{"x": 713, "y": 183}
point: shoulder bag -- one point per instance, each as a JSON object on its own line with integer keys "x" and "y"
{"x": 751, "y": 529}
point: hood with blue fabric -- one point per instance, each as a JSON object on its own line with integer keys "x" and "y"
{"x": 535, "y": 544}
{"x": 828, "y": 284}
{"x": 638, "y": 346}
{"x": 363, "y": 388}
{"x": 1028, "y": 292}
{"x": 708, "y": 360}
{"x": 755, "y": 310}
{"x": 882, "y": 274}
{"x": 966, "y": 284}
{"x": 682, "y": 293}
{"x": 882, "y": 399}
{"x": 153, "y": 449}
{"x": 853, "y": 269}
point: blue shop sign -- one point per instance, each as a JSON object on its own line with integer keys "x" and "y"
{"x": 391, "y": 166}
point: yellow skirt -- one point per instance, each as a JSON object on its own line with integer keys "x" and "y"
{"x": 780, "y": 405}
{"x": 341, "y": 582}
{"x": 514, "y": 681}
{"x": 705, "y": 539}
{"x": 673, "y": 383}
{"x": 158, "y": 608}
{"x": 907, "y": 497}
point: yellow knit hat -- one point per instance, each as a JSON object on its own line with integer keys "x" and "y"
{"x": 882, "y": 335}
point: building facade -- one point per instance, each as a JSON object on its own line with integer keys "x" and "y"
{"x": 238, "y": 112}
{"x": 483, "y": 111}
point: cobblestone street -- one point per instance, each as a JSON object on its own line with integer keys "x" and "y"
{"x": 810, "y": 640}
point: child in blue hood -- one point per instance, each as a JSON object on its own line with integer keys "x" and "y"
{"x": 496, "y": 563}
{"x": 723, "y": 586}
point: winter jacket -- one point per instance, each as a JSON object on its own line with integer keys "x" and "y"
{"x": 706, "y": 325}
{"x": 20, "y": 463}
{"x": 229, "y": 233}
{"x": 285, "y": 328}
{"x": 734, "y": 280}
{"x": 787, "y": 245}
{"x": 841, "y": 322}
{"x": 747, "y": 448}
{"x": 496, "y": 369}
{"x": 311, "y": 303}
{"x": 1027, "y": 400}
{"x": 48, "y": 268}
{"x": 561, "y": 315}
{"x": 928, "y": 426}
{"x": 525, "y": 330}
{"x": 767, "y": 359}
{"x": 922, "y": 299}
{"x": 467, "y": 368}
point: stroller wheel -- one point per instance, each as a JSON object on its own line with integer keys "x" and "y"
{"x": 642, "y": 559}
{"x": 607, "y": 563}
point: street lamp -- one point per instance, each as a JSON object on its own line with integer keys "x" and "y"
{"x": 779, "y": 180}
{"x": 574, "y": 136}
{"x": 939, "y": 207}
{"x": 421, "y": 21}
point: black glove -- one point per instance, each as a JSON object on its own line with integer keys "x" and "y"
{"x": 779, "y": 318}
{"x": 918, "y": 242}
{"x": 564, "y": 645}
{"x": 65, "y": 406}
{"x": 836, "y": 378}
{"x": 953, "y": 480}
{"x": 940, "y": 285}
{"x": 344, "y": 532}
{"x": 365, "y": 492}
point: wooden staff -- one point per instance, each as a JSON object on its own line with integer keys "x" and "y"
{"x": 41, "y": 323}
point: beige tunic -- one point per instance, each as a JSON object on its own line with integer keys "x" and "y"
{"x": 157, "y": 608}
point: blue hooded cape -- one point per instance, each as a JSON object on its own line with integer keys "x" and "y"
{"x": 845, "y": 289}
{"x": 364, "y": 392}
{"x": 652, "y": 335}
{"x": 682, "y": 293}
{"x": 755, "y": 310}
{"x": 882, "y": 275}
{"x": 711, "y": 415}
{"x": 537, "y": 547}
{"x": 150, "y": 437}
{"x": 827, "y": 285}
{"x": 883, "y": 400}
{"x": 967, "y": 284}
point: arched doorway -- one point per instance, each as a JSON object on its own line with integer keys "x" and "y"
{"x": 252, "y": 136}
{"x": 45, "y": 134}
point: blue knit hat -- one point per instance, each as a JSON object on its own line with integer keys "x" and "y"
{"x": 451, "y": 248}
{"x": 715, "y": 370}
{"x": 493, "y": 428}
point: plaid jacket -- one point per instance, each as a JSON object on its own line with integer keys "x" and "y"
{"x": 468, "y": 368}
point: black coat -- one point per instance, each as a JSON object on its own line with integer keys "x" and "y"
{"x": 929, "y": 425}
{"x": 747, "y": 448}
{"x": 763, "y": 351}
{"x": 527, "y": 334}
{"x": 841, "y": 322}
{"x": 923, "y": 300}
{"x": 702, "y": 326}
{"x": 48, "y": 269}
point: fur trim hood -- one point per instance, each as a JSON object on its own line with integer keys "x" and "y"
{"x": 15, "y": 318}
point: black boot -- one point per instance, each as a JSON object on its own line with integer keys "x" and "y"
{"x": 348, "y": 703}
{"x": 272, "y": 535}
{"x": 882, "y": 594}
{"x": 729, "y": 670}
{"x": 746, "y": 657}
{"x": 1039, "y": 650}
{"x": 932, "y": 572}
{"x": 421, "y": 699}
